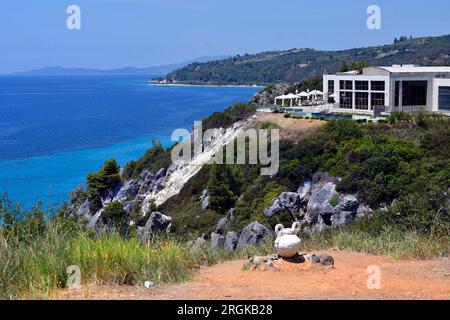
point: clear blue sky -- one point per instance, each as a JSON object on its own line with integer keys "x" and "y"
{"x": 117, "y": 33}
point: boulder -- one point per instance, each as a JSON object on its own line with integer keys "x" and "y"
{"x": 157, "y": 222}
{"x": 345, "y": 212}
{"x": 286, "y": 201}
{"x": 129, "y": 189}
{"x": 110, "y": 194}
{"x": 231, "y": 241}
{"x": 348, "y": 203}
{"x": 217, "y": 241}
{"x": 221, "y": 226}
{"x": 342, "y": 218}
{"x": 319, "y": 202}
{"x": 252, "y": 235}
{"x": 146, "y": 179}
{"x": 327, "y": 261}
{"x": 198, "y": 244}
{"x": 363, "y": 211}
{"x": 303, "y": 190}
{"x": 204, "y": 199}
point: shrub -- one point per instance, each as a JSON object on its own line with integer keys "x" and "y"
{"x": 115, "y": 215}
{"x": 106, "y": 178}
{"x": 334, "y": 201}
{"x": 153, "y": 160}
{"x": 224, "y": 186}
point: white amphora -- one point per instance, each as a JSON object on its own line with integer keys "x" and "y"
{"x": 287, "y": 242}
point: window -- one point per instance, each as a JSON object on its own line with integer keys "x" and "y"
{"x": 362, "y": 100}
{"x": 397, "y": 93}
{"x": 346, "y": 100}
{"x": 377, "y": 85}
{"x": 414, "y": 93}
{"x": 377, "y": 99}
{"x": 330, "y": 86}
{"x": 362, "y": 85}
{"x": 444, "y": 98}
{"x": 346, "y": 85}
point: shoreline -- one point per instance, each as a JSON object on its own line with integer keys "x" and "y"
{"x": 204, "y": 85}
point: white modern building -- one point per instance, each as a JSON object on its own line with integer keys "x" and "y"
{"x": 398, "y": 88}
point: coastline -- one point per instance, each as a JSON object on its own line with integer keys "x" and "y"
{"x": 204, "y": 85}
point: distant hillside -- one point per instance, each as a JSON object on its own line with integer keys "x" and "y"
{"x": 299, "y": 64}
{"x": 156, "y": 71}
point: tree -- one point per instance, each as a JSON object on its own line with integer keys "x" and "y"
{"x": 116, "y": 216}
{"x": 107, "y": 177}
{"x": 344, "y": 67}
{"x": 359, "y": 65}
{"x": 224, "y": 186}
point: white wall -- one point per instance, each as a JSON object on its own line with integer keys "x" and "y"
{"x": 354, "y": 78}
{"x": 435, "y": 96}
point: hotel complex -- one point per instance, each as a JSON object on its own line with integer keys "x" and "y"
{"x": 398, "y": 88}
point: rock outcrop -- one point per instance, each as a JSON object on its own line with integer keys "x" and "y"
{"x": 217, "y": 241}
{"x": 157, "y": 222}
{"x": 204, "y": 199}
{"x": 253, "y": 235}
{"x": 267, "y": 96}
{"x": 287, "y": 201}
{"x": 231, "y": 241}
{"x": 318, "y": 204}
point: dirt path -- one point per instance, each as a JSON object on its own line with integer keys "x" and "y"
{"x": 347, "y": 280}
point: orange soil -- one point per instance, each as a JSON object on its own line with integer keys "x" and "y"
{"x": 405, "y": 279}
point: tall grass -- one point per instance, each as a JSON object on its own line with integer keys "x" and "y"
{"x": 36, "y": 268}
{"x": 396, "y": 243}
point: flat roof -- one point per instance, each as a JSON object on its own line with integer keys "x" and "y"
{"x": 409, "y": 69}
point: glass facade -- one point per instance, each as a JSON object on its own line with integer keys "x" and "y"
{"x": 346, "y": 85}
{"x": 330, "y": 86}
{"x": 444, "y": 98}
{"x": 346, "y": 100}
{"x": 414, "y": 93}
{"x": 362, "y": 100}
{"x": 377, "y": 85}
{"x": 397, "y": 93}
{"x": 378, "y": 99}
{"x": 362, "y": 85}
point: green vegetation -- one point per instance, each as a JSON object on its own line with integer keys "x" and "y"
{"x": 106, "y": 178}
{"x": 228, "y": 117}
{"x": 308, "y": 84}
{"x": 34, "y": 260}
{"x": 406, "y": 161}
{"x": 115, "y": 215}
{"x": 224, "y": 186}
{"x": 153, "y": 160}
{"x": 296, "y": 65}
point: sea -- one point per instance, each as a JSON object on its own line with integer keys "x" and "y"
{"x": 54, "y": 130}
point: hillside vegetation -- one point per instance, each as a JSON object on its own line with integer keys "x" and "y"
{"x": 404, "y": 162}
{"x": 297, "y": 65}
{"x": 400, "y": 168}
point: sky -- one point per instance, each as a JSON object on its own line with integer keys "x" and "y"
{"x": 142, "y": 33}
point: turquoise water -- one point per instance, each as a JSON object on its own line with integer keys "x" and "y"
{"x": 55, "y": 130}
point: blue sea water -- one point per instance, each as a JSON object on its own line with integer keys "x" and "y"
{"x": 55, "y": 130}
